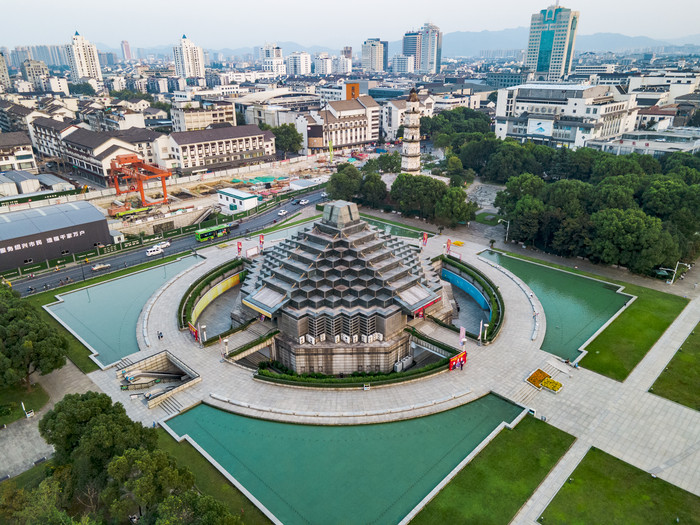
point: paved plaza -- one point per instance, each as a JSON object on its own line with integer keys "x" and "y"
{"x": 623, "y": 419}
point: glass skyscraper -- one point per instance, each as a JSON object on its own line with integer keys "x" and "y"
{"x": 551, "y": 45}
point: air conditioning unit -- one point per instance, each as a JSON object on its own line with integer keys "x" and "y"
{"x": 337, "y": 339}
{"x": 302, "y": 340}
{"x": 355, "y": 338}
{"x": 370, "y": 339}
{"x": 311, "y": 339}
{"x": 379, "y": 336}
{"x": 345, "y": 338}
{"x": 322, "y": 337}
{"x": 364, "y": 338}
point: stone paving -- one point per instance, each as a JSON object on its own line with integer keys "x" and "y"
{"x": 620, "y": 418}
{"x": 20, "y": 443}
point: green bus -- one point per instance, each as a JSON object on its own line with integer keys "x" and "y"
{"x": 206, "y": 234}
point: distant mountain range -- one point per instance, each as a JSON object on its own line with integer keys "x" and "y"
{"x": 469, "y": 43}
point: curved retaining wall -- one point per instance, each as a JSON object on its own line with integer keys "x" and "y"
{"x": 217, "y": 288}
{"x": 467, "y": 286}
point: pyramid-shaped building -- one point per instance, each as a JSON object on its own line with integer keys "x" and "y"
{"x": 341, "y": 293}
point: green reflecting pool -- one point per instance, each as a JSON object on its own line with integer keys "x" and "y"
{"x": 575, "y": 307}
{"x": 343, "y": 475}
{"x": 105, "y": 315}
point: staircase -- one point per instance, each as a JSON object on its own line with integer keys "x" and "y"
{"x": 525, "y": 393}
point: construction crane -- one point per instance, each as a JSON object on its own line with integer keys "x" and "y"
{"x": 133, "y": 171}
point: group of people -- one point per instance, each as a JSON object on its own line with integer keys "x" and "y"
{"x": 160, "y": 335}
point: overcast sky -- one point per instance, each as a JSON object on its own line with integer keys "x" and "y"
{"x": 219, "y": 24}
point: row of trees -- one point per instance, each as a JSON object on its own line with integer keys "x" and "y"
{"x": 107, "y": 467}
{"x": 27, "y": 343}
{"x": 419, "y": 195}
{"x": 287, "y": 138}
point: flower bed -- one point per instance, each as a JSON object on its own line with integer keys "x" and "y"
{"x": 551, "y": 385}
{"x": 537, "y": 377}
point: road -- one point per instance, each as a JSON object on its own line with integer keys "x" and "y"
{"x": 120, "y": 260}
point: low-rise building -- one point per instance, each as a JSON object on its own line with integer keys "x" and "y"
{"x": 48, "y": 136}
{"x": 90, "y": 153}
{"x": 656, "y": 117}
{"x": 232, "y": 201}
{"x": 567, "y": 115}
{"x": 342, "y": 124}
{"x": 192, "y": 116}
{"x": 16, "y": 152}
{"x": 655, "y": 143}
{"x": 220, "y": 148}
{"x": 26, "y": 182}
{"x": 393, "y": 111}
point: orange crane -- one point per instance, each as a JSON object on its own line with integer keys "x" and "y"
{"x": 133, "y": 171}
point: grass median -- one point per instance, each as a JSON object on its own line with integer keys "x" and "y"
{"x": 488, "y": 218}
{"x": 679, "y": 382}
{"x": 604, "y": 489}
{"x": 624, "y": 343}
{"x": 77, "y": 352}
{"x": 501, "y": 478}
{"x": 209, "y": 480}
{"x": 12, "y": 397}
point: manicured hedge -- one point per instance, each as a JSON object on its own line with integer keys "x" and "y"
{"x": 190, "y": 296}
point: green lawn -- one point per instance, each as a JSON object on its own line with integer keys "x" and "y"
{"x": 482, "y": 218}
{"x": 625, "y": 342}
{"x": 209, "y": 480}
{"x": 604, "y": 489}
{"x": 30, "y": 479}
{"x": 500, "y": 479}
{"x": 77, "y": 352}
{"x": 15, "y": 395}
{"x": 679, "y": 382}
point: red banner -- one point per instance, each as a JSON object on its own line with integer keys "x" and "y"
{"x": 425, "y": 238}
{"x": 240, "y": 247}
{"x": 449, "y": 245}
{"x": 459, "y": 360}
{"x": 193, "y": 331}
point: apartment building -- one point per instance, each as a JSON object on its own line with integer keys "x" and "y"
{"x": 192, "y": 116}
{"x": 342, "y": 124}
{"x": 16, "y": 152}
{"x": 91, "y": 152}
{"x": 568, "y": 115}
{"x": 48, "y": 136}
{"x": 189, "y": 59}
{"x": 219, "y": 148}
{"x": 83, "y": 60}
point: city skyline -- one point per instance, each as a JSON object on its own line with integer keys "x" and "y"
{"x": 386, "y": 22}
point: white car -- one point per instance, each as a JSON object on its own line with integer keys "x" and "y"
{"x": 282, "y": 213}
{"x": 163, "y": 244}
{"x": 154, "y": 250}
{"x": 99, "y": 267}
{"x": 324, "y": 194}
{"x": 304, "y": 202}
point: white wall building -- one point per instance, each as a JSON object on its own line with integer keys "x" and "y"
{"x": 568, "y": 115}
{"x": 83, "y": 60}
{"x": 430, "y": 49}
{"x": 55, "y": 85}
{"x": 189, "y": 59}
{"x": 299, "y": 63}
{"x": 323, "y": 64}
{"x": 393, "y": 114}
{"x": 342, "y": 65}
{"x": 232, "y": 201}
{"x": 191, "y": 116}
{"x": 403, "y": 64}
{"x": 373, "y": 55}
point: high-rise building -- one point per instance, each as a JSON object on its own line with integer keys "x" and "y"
{"x": 126, "y": 50}
{"x": 189, "y": 59}
{"x": 346, "y": 52}
{"x": 299, "y": 63}
{"x": 430, "y": 49}
{"x": 342, "y": 65}
{"x": 83, "y": 60}
{"x": 551, "y": 44}
{"x": 411, "y": 47}
{"x": 323, "y": 64}
{"x": 271, "y": 55}
{"x": 19, "y": 54}
{"x": 4, "y": 74}
{"x": 373, "y": 55}
{"x": 50, "y": 55}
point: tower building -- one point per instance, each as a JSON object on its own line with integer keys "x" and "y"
{"x": 189, "y": 59}
{"x": 410, "y": 149}
{"x": 83, "y": 60}
{"x": 126, "y": 50}
{"x": 551, "y": 44}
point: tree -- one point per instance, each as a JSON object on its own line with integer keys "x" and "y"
{"x": 454, "y": 209}
{"x": 191, "y": 508}
{"x": 127, "y": 94}
{"x": 344, "y": 184}
{"x": 454, "y": 165}
{"x": 493, "y": 96}
{"x": 613, "y": 166}
{"x": 164, "y": 106}
{"x": 81, "y": 89}
{"x": 510, "y": 160}
{"x": 240, "y": 118}
{"x": 41, "y": 505}
{"x": 287, "y": 139}
{"x": 144, "y": 478}
{"x": 371, "y": 166}
{"x": 517, "y": 188}
{"x": 27, "y": 343}
{"x": 527, "y": 217}
{"x": 373, "y": 189}
{"x": 390, "y": 162}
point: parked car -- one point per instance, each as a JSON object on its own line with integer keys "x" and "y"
{"x": 282, "y": 213}
{"x": 163, "y": 244}
{"x": 304, "y": 202}
{"x": 103, "y": 266}
{"x": 154, "y": 250}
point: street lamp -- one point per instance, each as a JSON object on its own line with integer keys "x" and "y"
{"x": 507, "y": 226}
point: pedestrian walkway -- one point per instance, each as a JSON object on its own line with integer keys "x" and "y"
{"x": 619, "y": 418}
